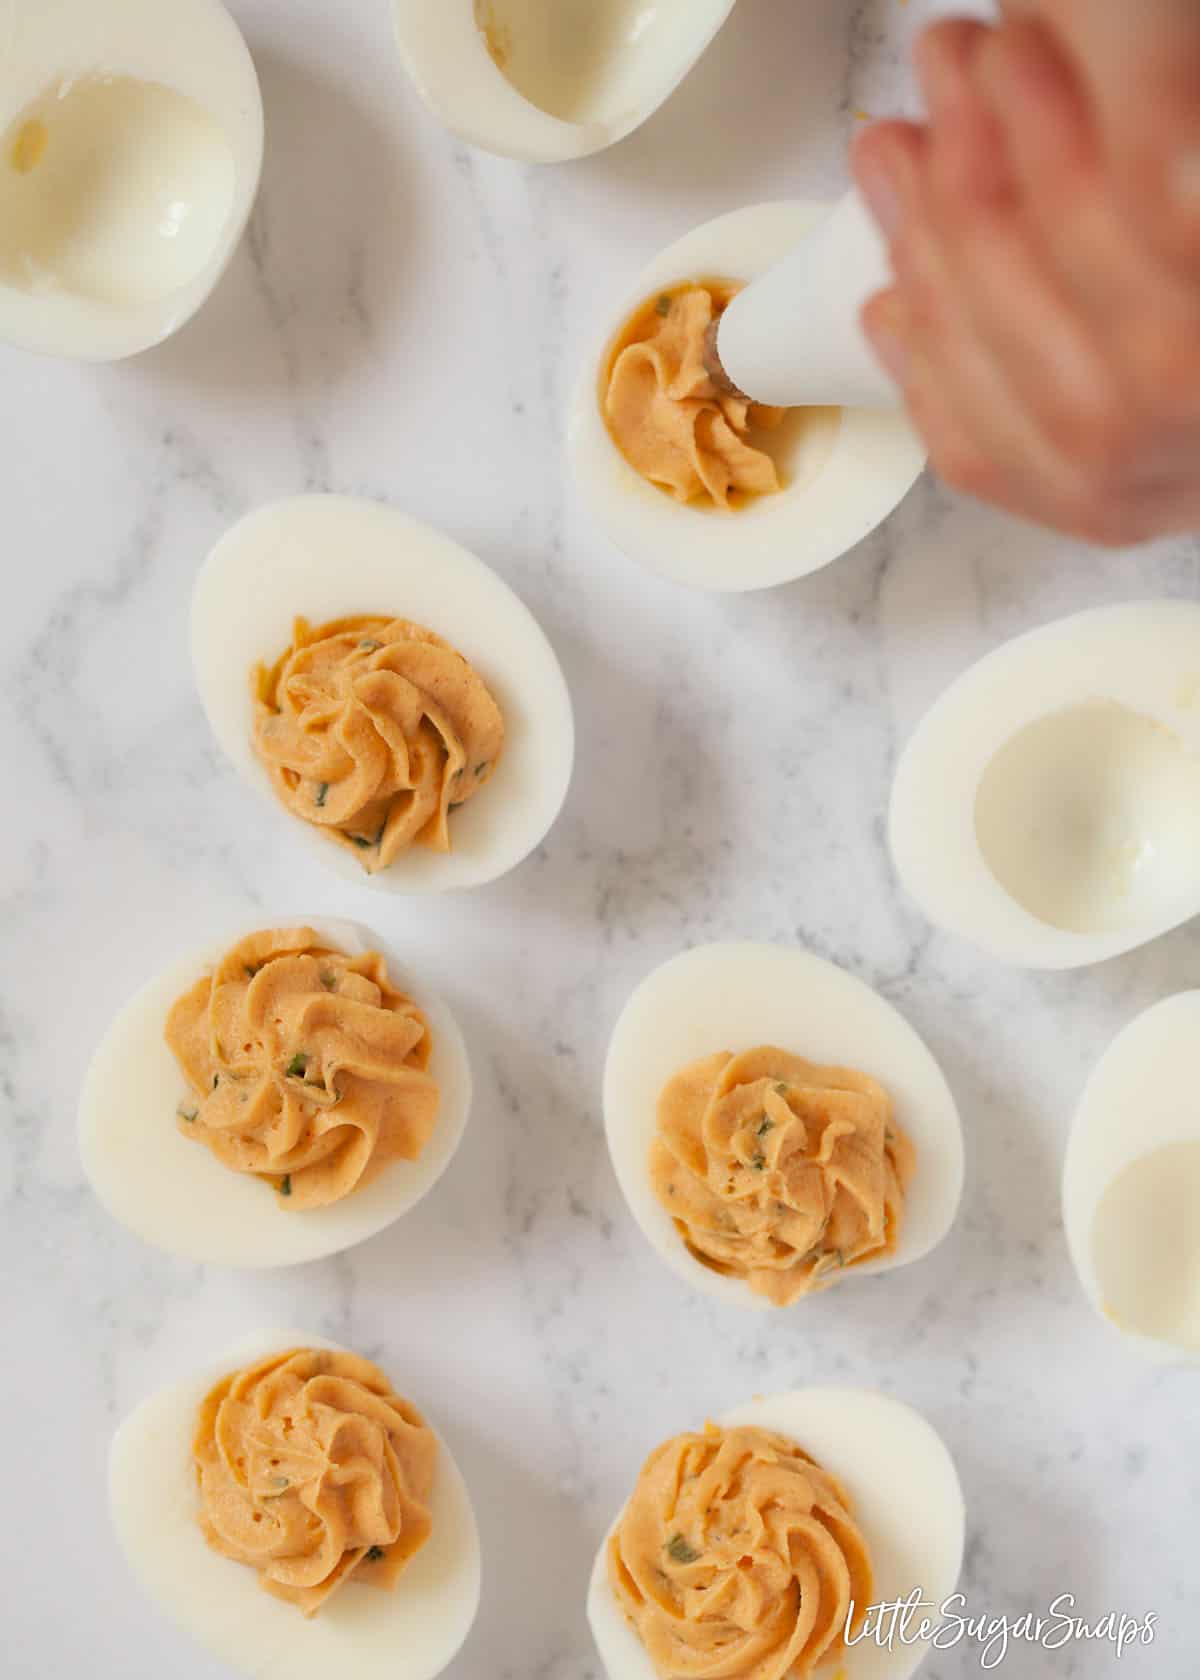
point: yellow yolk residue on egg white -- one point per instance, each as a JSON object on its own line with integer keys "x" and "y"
{"x": 778, "y": 1171}
{"x": 738, "y": 1554}
{"x": 667, "y": 417}
{"x": 314, "y": 1472}
{"x": 306, "y": 1067}
{"x": 374, "y": 730}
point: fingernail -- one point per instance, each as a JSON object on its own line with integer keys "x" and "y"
{"x": 892, "y": 352}
{"x": 1186, "y": 181}
{"x": 883, "y": 200}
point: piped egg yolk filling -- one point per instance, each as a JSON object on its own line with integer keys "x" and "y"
{"x": 306, "y": 1067}
{"x": 373, "y": 730}
{"x": 780, "y": 1172}
{"x": 312, "y": 1471}
{"x": 667, "y": 417}
{"x": 737, "y": 1555}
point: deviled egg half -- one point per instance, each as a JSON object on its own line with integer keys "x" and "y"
{"x": 385, "y": 690}
{"x": 1131, "y": 1182}
{"x": 1047, "y": 807}
{"x": 232, "y": 1481}
{"x": 279, "y": 1097}
{"x": 131, "y": 141}
{"x": 549, "y": 80}
{"x": 764, "y": 1540}
{"x": 792, "y": 489}
{"x": 776, "y": 1126}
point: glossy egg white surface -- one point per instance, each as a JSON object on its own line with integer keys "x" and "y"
{"x": 174, "y": 1194}
{"x": 906, "y": 1498}
{"x": 1131, "y": 1181}
{"x": 1047, "y": 807}
{"x": 845, "y": 470}
{"x": 550, "y": 80}
{"x": 328, "y": 557}
{"x": 411, "y": 1633}
{"x": 733, "y": 997}
{"x": 131, "y": 141}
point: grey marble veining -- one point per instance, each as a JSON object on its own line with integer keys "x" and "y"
{"x": 405, "y": 320}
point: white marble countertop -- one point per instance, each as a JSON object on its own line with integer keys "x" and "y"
{"x": 404, "y": 320}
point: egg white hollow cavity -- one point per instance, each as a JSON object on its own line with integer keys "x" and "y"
{"x": 411, "y": 1633}
{"x": 130, "y": 154}
{"x": 329, "y": 557}
{"x": 734, "y": 997}
{"x": 173, "y": 1193}
{"x": 906, "y": 1498}
{"x": 844, "y": 470}
{"x": 1047, "y": 808}
{"x": 550, "y": 80}
{"x": 1131, "y": 1181}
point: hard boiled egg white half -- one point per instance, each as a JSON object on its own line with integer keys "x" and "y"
{"x": 548, "y": 80}
{"x": 1048, "y": 806}
{"x": 1131, "y": 1181}
{"x": 173, "y": 1193}
{"x": 131, "y": 140}
{"x": 411, "y": 1633}
{"x": 329, "y": 557}
{"x": 736, "y": 996}
{"x": 844, "y": 470}
{"x": 906, "y": 1498}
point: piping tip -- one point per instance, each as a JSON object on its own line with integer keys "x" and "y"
{"x": 713, "y": 366}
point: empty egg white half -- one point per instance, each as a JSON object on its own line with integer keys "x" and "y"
{"x": 173, "y": 1193}
{"x": 844, "y": 470}
{"x": 906, "y": 1498}
{"x": 549, "y": 80}
{"x": 329, "y": 557}
{"x": 737, "y": 996}
{"x": 1047, "y": 807}
{"x": 131, "y": 140}
{"x": 411, "y": 1633}
{"x": 1131, "y": 1181}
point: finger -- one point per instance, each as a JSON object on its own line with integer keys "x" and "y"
{"x": 982, "y": 437}
{"x": 983, "y": 433}
{"x": 1147, "y": 313}
{"x": 886, "y": 159}
{"x": 971, "y": 466}
{"x": 973, "y": 162}
{"x": 1139, "y": 65}
{"x": 1055, "y": 364}
{"x": 1052, "y": 142}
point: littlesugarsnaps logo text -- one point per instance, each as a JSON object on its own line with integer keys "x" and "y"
{"x": 914, "y": 1620}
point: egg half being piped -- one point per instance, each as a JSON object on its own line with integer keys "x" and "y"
{"x": 737, "y": 996}
{"x": 408, "y": 1633}
{"x": 131, "y": 140}
{"x": 843, "y": 471}
{"x": 333, "y": 558}
{"x": 169, "y": 1190}
{"x": 550, "y": 80}
{"x": 1047, "y": 808}
{"x": 1131, "y": 1182}
{"x": 905, "y": 1498}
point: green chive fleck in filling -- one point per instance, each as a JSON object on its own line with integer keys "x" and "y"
{"x": 678, "y": 1548}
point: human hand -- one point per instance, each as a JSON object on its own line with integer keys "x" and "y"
{"x": 1044, "y": 227}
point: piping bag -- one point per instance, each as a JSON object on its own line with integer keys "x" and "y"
{"x": 792, "y": 338}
